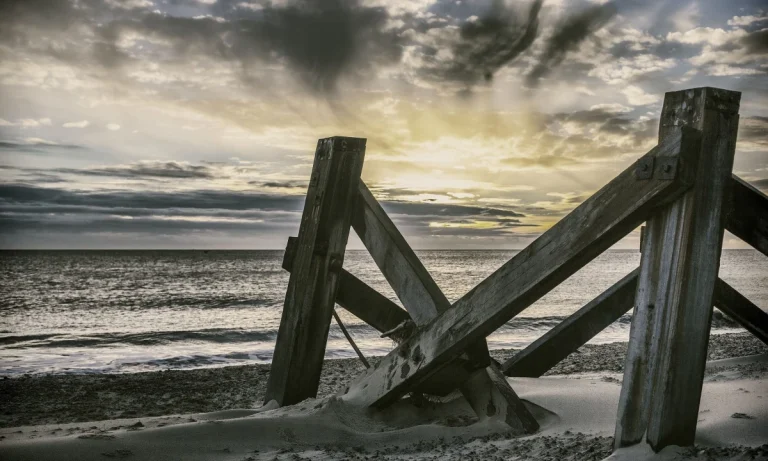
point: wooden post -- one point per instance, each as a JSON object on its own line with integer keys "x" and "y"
{"x": 748, "y": 214}
{"x": 405, "y": 273}
{"x": 591, "y": 228}
{"x": 572, "y": 333}
{"x": 310, "y": 297}
{"x": 488, "y": 395}
{"x": 681, "y": 257}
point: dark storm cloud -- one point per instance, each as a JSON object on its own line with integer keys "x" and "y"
{"x": 753, "y": 129}
{"x": 280, "y": 184}
{"x": 568, "y": 36}
{"x": 172, "y": 170}
{"x": 612, "y": 123}
{"x": 324, "y": 40}
{"x": 141, "y": 170}
{"x": 199, "y": 199}
{"x": 111, "y": 224}
{"x": 23, "y": 205}
{"x": 445, "y": 210}
{"x": 662, "y": 50}
{"x": 756, "y": 42}
{"x": 321, "y": 42}
{"x": 487, "y": 44}
{"x": 35, "y": 146}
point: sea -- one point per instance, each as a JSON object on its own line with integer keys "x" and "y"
{"x": 137, "y": 311}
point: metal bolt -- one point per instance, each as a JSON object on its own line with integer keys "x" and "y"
{"x": 667, "y": 168}
{"x": 644, "y": 167}
{"x": 335, "y": 263}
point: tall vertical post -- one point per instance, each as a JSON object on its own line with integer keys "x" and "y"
{"x": 667, "y": 353}
{"x": 310, "y": 297}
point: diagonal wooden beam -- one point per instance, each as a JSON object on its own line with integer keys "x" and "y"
{"x": 378, "y": 311}
{"x": 310, "y": 297}
{"x": 486, "y": 394}
{"x": 405, "y": 273}
{"x": 741, "y": 309}
{"x": 611, "y": 213}
{"x": 575, "y": 331}
{"x": 357, "y": 297}
{"x": 747, "y": 214}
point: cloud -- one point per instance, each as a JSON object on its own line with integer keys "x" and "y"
{"x": 568, "y": 36}
{"x": 737, "y": 51}
{"x": 27, "y": 122}
{"x": 636, "y": 96}
{"x": 174, "y": 170}
{"x": 113, "y": 126}
{"x": 35, "y": 145}
{"x": 25, "y": 207}
{"x": 484, "y": 45}
{"x": 80, "y": 124}
{"x": 747, "y": 20}
{"x": 753, "y": 134}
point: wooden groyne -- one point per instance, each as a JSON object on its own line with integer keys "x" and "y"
{"x": 683, "y": 190}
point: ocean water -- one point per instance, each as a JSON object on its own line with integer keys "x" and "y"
{"x": 132, "y": 311}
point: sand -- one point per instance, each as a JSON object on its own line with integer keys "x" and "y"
{"x": 575, "y": 405}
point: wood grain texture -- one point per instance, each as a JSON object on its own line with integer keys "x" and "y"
{"x": 741, "y": 309}
{"x": 575, "y": 331}
{"x": 358, "y": 298}
{"x": 665, "y": 364}
{"x": 384, "y": 315}
{"x": 424, "y": 301}
{"x": 591, "y": 228}
{"x": 310, "y": 297}
{"x": 747, "y": 215}
{"x": 407, "y": 276}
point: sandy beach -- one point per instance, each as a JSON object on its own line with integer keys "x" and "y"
{"x": 210, "y": 414}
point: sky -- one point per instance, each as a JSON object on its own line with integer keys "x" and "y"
{"x": 193, "y": 123}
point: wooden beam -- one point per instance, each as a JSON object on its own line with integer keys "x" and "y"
{"x": 384, "y": 315}
{"x": 591, "y": 228}
{"x": 309, "y": 300}
{"x": 489, "y": 396}
{"x": 405, "y": 273}
{"x": 575, "y": 331}
{"x": 358, "y": 298}
{"x": 747, "y": 216}
{"x": 667, "y": 351}
{"x": 741, "y": 309}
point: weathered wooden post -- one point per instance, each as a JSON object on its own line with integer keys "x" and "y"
{"x": 311, "y": 294}
{"x": 667, "y": 352}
